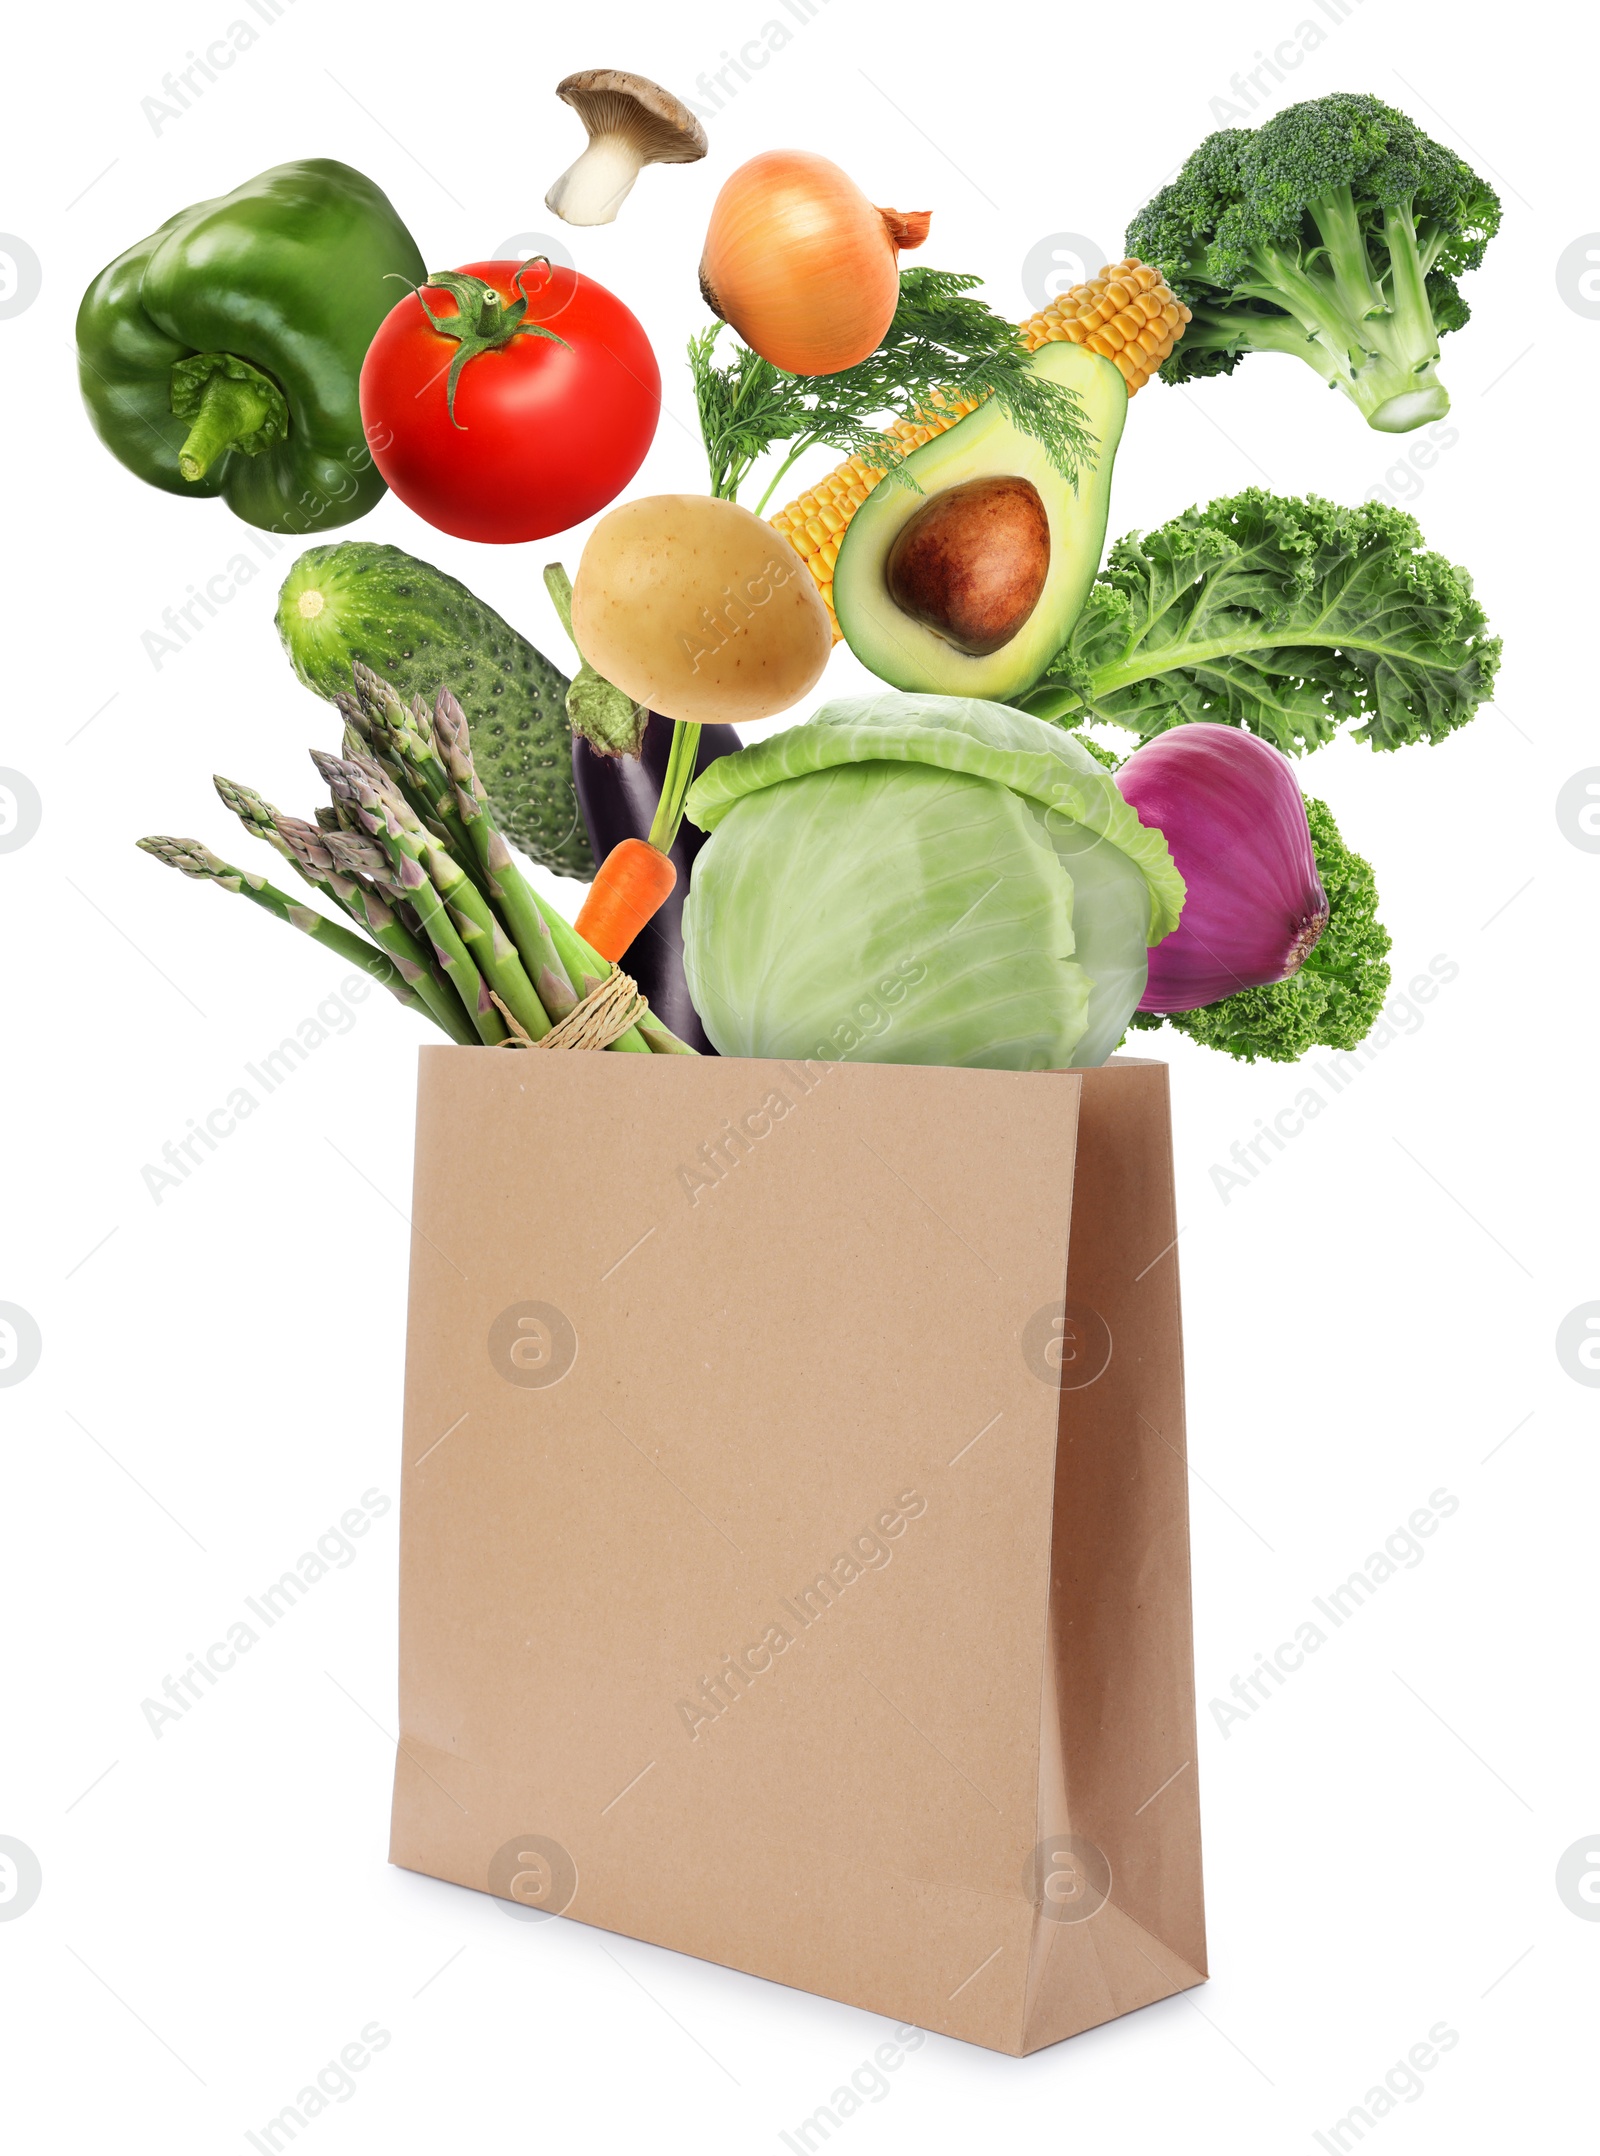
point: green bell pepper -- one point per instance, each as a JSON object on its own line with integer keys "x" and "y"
{"x": 222, "y": 355}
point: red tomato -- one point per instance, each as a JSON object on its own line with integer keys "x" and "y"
{"x": 544, "y": 434}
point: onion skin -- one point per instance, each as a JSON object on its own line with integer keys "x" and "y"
{"x": 1231, "y": 811}
{"x": 802, "y": 265}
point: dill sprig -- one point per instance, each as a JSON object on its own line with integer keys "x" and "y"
{"x": 941, "y": 344}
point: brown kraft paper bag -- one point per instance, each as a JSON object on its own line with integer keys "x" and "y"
{"x": 794, "y": 1529}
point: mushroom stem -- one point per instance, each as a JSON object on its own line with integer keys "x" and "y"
{"x": 594, "y": 188}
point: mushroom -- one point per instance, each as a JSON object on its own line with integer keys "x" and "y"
{"x": 632, "y": 122}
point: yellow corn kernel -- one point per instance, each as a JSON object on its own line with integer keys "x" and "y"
{"x": 1110, "y": 314}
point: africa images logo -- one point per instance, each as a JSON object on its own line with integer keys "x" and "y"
{"x": 867, "y": 1551}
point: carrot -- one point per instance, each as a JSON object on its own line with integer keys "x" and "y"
{"x": 634, "y": 882}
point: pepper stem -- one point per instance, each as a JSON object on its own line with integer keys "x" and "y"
{"x": 229, "y": 410}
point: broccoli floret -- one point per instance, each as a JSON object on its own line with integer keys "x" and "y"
{"x": 1334, "y": 232}
{"x": 1334, "y": 999}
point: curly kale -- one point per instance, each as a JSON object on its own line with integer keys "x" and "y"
{"x": 1284, "y": 616}
{"x": 1334, "y": 999}
{"x": 1334, "y": 232}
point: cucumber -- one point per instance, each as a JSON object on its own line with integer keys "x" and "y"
{"x": 422, "y": 630}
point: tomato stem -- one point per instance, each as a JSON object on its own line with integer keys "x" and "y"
{"x": 483, "y": 321}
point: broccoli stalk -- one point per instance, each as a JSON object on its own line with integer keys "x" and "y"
{"x": 1334, "y": 233}
{"x": 1372, "y": 336}
{"x": 1334, "y": 999}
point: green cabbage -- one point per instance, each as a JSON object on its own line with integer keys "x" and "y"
{"x": 921, "y": 879}
{"x": 1110, "y": 916}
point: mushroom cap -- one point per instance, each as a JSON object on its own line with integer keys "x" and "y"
{"x": 611, "y": 101}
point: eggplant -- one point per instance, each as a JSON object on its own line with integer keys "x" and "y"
{"x": 618, "y": 796}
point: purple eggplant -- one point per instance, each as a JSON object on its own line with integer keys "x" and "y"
{"x": 618, "y": 796}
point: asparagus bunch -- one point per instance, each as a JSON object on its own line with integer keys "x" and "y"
{"x": 409, "y": 851}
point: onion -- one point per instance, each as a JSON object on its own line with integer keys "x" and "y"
{"x": 801, "y": 263}
{"x": 1231, "y": 811}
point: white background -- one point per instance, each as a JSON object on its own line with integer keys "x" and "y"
{"x": 1373, "y": 1319}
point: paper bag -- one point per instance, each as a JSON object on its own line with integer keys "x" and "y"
{"x": 794, "y": 1538}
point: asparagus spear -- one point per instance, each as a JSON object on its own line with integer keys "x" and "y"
{"x": 364, "y": 861}
{"x": 485, "y": 945}
{"x": 368, "y": 742}
{"x": 356, "y": 850}
{"x": 371, "y": 900}
{"x": 476, "y": 921}
{"x": 302, "y": 846}
{"x": 256, "y": 814}
{"x": 438, "y": 890}
{"x": 506, "y": 884}
{"x": 287, "y": 836}
{"x": 402, "y": 740}
{"x": 192, "y": 859}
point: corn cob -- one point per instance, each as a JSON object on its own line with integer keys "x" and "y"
{"x": 1126, "y": 315}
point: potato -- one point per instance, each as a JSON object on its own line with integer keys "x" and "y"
{"x": 698, "y": 610}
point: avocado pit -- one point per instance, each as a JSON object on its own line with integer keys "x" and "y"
{"x": 970, "y": 562}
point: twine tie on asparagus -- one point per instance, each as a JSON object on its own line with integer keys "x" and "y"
{"x": 603, "y": 1016}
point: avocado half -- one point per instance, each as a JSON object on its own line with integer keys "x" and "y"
{"x": 904, "y": 650}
